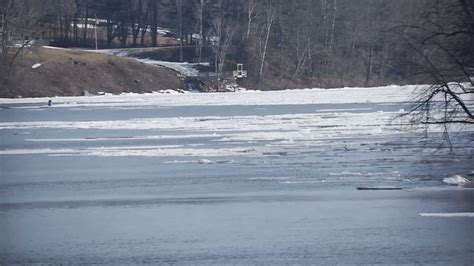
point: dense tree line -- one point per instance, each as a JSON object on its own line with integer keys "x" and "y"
{"x": 283, "y": 44}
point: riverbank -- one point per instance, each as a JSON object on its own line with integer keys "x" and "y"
{"x": 49, "y": 72}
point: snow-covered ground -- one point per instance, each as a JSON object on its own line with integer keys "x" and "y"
{"x": 388, "y": 94}
{"x": 184, "y": 68}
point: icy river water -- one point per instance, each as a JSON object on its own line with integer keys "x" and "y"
{"x": 171, "y": 179}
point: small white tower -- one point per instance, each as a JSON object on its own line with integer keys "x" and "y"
{"x": 240, "y": 73}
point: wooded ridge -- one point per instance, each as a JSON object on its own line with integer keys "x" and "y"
{"x": 282, "y": 44}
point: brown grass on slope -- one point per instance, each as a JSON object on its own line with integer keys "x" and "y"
{"x": 70, "y": 73}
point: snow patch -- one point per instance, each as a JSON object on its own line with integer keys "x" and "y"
{"x": 55, "y": 48}
{"x": 185, "y": 68}
{"x": 36, "y": 65}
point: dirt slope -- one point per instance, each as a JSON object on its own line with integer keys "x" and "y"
{"x": 70, "y": 73}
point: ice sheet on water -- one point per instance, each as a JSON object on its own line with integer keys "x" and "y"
{"x": 456, "y": 180}
{"x": 285, "y": 97}
{"x": 123, "y": 138}
{"x": 205, "y": 161}
{"x": 299, "y": 182}
{"x": 448, "y": 215}
{"x": 272, "y": 178}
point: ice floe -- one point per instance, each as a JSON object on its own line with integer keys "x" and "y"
{"x": 456, "y": 180}
{"x": 448, "y": 215}
{"x": 393, "y": 94}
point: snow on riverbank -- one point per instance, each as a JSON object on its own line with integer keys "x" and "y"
{"x": 184, "y": 68}
{"x": 387, "y": 94}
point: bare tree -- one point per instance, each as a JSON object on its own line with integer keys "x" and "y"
{"x": 200, "y": 6}
{"x": 269, "y": 18}
{"x": 86, "y": 7}
{"x": 446, "y": 58}
{"x": 333, "y": 24}
{"x": 224, "y": 31}
{"x": 16, "y": 20}
{"x": 251, "y": 6}
{"x": 153, "y": 10}
{"x": 179, "y": 7}
{"x": 135, "y": 10}
{"x": 66, "y": 11}
{"x": 143, "y": 22}
{"x": 442, "y": 56}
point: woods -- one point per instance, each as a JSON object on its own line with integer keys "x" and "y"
{"x": 283, "y": 44}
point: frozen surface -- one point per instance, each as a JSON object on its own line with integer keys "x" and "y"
{"x": 447, "y": 215}
{"x": 244, "y": 178}
{"x": 388, "y": 95}
{"x": 456, "y": 180}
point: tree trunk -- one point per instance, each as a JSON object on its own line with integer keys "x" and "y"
{"x": 75, "y": 29}
{"x": 179, "y": 6}
{"x": 369, "y": 65}
{"x": 251, "y": 8}
{"x": 142, "y": 37}
{"x": 144, "y": 26}
{"x": 60, "y": 18}
{"x": 333, "y": 24}
{"x": 270, "y": 18}
{"x": 110, "y": 33}
{"x": 154, "y": 24}
{"x": 201, "y": 30}
{"x": 86, "y": 23}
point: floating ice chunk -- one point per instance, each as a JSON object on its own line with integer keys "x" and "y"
{"x": 347, "y": 173}
{"x": 205, "y": 161}
{"x": 447, "y": 215}
{"x": 271, "y": 178}
{"x": 456, "y": 180}
{"x": 298, "y": 182}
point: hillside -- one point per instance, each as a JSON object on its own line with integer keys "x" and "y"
{"x": 70, "y": 73}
